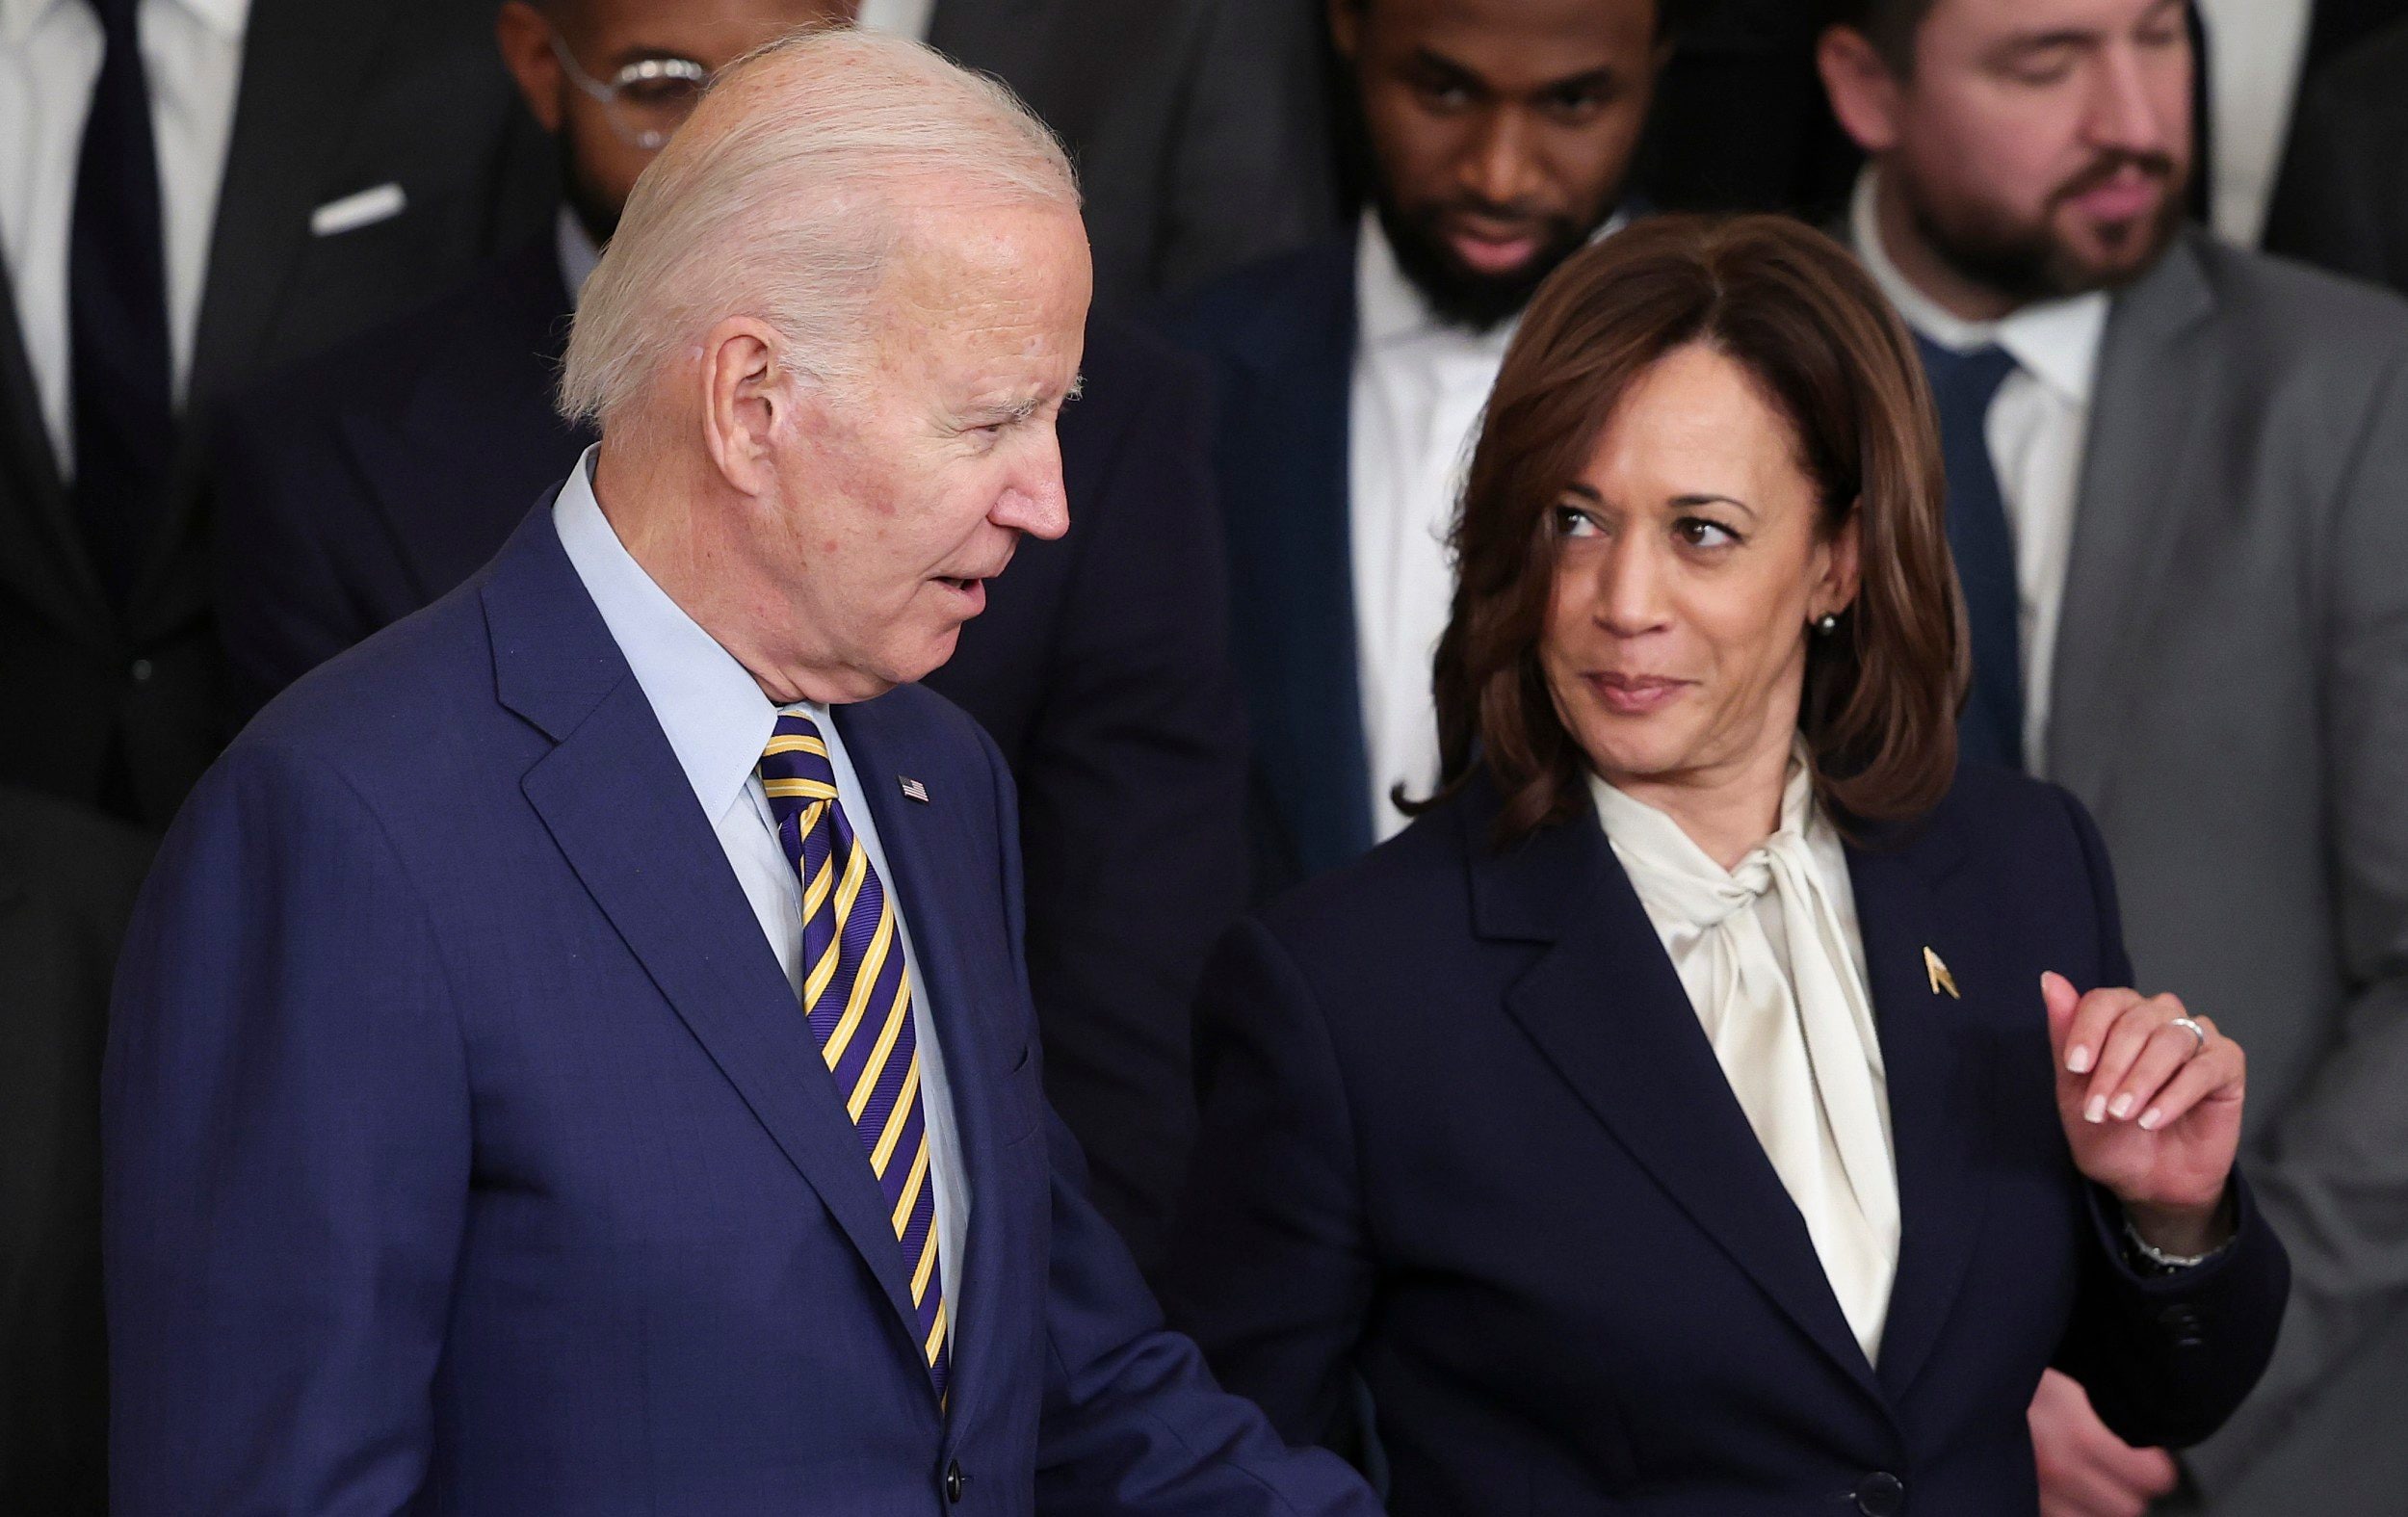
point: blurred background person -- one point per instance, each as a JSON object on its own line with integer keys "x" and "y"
{"x": 1200, "y": 128}
{"x": 67, "y": 878}
{"x": 2179, "y": 505}
{"x": 2343, "y": 202}
{"x": 194, "y": 191}
{"x": 2262, "y": 58}
{"x": 1694, "y": 1110}
{"x": 1350, "y": 378}
{"x": 366, "y": 483}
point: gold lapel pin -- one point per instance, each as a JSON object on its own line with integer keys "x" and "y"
{"x": 1940, "y": 979}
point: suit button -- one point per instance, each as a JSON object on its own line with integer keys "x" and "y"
{"x": 140, "y": 672}
{"x": 1882, "y": 1494}
{"x": 955, "y": 1480}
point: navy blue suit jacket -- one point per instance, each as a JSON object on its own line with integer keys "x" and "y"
{"x": 1465, "y": 1138}
{"x": 467, "y": 1152}
{"x": 357, "y": 489}
{"x": 1280, "y": 338}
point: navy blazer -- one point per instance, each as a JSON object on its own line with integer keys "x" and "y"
{"x": 1465, "y": 1138}
{"x": 358, "y": 489}
{"x": 468, "y": 1153}
{"x": 1280, "y": 338}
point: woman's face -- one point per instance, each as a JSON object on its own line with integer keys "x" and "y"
{"x": 1693, "y": 557}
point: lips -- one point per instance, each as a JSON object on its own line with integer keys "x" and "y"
{"x": 1635, "y": 695}
{"x": 1493, "y": 252}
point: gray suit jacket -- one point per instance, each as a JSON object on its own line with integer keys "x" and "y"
{"x": 2230, "y": 701}
{"x": 337, "y": 96}
{"x": 1201, "y": 127}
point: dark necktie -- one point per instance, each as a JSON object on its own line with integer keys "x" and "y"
{"x": 117, "y": 314}
{"x": 1963, "y": 385}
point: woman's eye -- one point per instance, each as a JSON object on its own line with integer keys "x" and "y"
{"x": 1573, "y": 522}
{"x": 1697, "y": 532}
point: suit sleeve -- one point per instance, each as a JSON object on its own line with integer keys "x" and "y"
{"x": 1132, "y": 785}
{"x": 1132, "y": 1423}
{"x": 2332, "y": 1171}
{"x": 2165, "y": 1358}
{"x": 282, "y": 611}
{"x": 1273, "y": 1266}
{"x": 286, "y": 1159}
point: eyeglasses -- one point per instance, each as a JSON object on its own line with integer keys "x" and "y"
{"x": 645, "y": 102}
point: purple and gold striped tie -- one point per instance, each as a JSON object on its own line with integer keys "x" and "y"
{"x": 857, "y": 994}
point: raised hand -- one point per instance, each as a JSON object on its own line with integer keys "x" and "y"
{"x": 2151, "y": 1107}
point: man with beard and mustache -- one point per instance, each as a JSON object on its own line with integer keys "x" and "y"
{"x": 364, "y": 486}
{"x": 1351, "y": 377}
{"x": 2178, "y": 481}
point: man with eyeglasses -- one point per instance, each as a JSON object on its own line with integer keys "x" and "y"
{"x": 361, "y": 487}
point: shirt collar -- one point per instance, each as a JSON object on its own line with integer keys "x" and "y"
{"x": 225, "y": 17}
{"x": 715, "y": 717}
{"x": 576, "y": 253}
{"x": 2057, "y": 341}
{"x": 1390, "y": 308}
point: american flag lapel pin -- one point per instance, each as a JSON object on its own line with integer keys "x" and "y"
{"x": 913, "y": 790}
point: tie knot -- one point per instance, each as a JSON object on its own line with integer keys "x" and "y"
{"x": 1967, "y": 377}
{"x": 794, "y": 766}
{"x": 117, "y": 16}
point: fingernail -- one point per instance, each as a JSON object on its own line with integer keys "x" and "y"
{"x": 2078, "y": 1059}
{"x": 2096, "y": 1110}
{"x": 2123, "y": 1105}
{"x": 2150, "y": 1119}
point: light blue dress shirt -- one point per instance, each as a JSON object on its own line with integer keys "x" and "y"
{"x": 717, "y": 722}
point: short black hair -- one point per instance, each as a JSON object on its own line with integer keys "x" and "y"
{"x": 1888, "y": 25}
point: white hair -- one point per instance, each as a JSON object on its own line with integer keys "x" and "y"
{"x": 780, "y": 199}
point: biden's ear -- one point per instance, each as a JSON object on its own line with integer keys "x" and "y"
{"x": 748, "y": 392}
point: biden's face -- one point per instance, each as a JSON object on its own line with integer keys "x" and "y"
{"x": 907, "y": 486}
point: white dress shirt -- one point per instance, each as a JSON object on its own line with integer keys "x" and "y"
{"x": 2255, "y": 48}
{"x": 1420, "y": 385}
{"x": 2038, "y": 426}
{"x": 1774, "y": 965}
{"x": 901, "y": 17}
{"x": 717, "y": 722}
{"x": 50, "y": 53}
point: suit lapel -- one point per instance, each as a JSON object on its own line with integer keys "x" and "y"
{"x": 303, "y": 61}
{"x": 1292, "y": 558}
{"x": 994, "y": 36}
{"x": 1937, "y": 1088}
{"x": 2145, "y": 422}
{"x": 1606, "y": 1009}
{"x": 922, "y": 842}
{"x": 614, "y": 799}
{"x": 41, "y": 551}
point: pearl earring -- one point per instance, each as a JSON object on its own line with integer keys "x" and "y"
{"x": 1827, "y": 623}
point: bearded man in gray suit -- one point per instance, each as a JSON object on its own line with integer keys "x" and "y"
{"x": 2179, "y": 502}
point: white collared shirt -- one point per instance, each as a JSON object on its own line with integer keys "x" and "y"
{"x": 1420, "y": 386}
{"x": 2038, "y": 426}
{"x": 902, "y": 18}
{"x": 718, "y": 724}
{"x": 50, "y": 53}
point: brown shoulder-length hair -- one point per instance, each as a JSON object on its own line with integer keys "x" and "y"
{"x": 1794, "y": 309}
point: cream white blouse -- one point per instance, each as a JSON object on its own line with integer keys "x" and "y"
{"x": 1774, "y": 966}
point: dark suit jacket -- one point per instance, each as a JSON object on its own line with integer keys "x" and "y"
{"x": 337, "y": 96}
{"x": 365, "y": 484}
{"x": 67, "y": 878}
{"x": 467, "y": 1149}
{"x": 1200, "y": 128}
{"x": 2342, "y": 199}
{"x": 1280, "y": 338}
{"x": 1463, "y": 1137}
